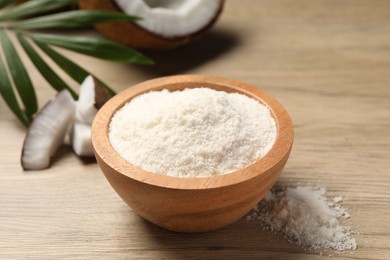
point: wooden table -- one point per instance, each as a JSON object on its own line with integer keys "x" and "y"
{"x": 327, "y": 61}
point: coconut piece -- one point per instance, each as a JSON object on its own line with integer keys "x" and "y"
{"x": 165, "y": 23}
{"x": 81, "y": 140}
{"x": 67, "y": 138}
{"x": 47, "y": 131}
{"x": 69, "y": 132}
{"x": 92, "y": 97}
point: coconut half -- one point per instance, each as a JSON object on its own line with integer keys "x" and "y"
{"x": 165, "y": 23}
{"x": 47, "y": 132}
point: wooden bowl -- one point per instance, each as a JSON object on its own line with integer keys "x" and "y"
{"x": 191, "y": 204}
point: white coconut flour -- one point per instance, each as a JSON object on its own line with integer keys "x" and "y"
{"x": 306, "y": 217}
{"x": 192, "y": 133}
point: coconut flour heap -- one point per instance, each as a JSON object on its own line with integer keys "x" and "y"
{"x": 192, "y": 133}
{"x": 306, "y": 217}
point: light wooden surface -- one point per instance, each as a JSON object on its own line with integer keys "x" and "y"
{"x": 326, "y": 61}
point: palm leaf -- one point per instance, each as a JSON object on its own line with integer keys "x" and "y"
{"x": 8, "y": 94}
{"x": 51, "y": 77}
{"x": 33, "y": 7}
{"x": 97, "y": 47}
{"x": 15, "y": 84}
{"x": 20, "y": 77}
{"x": 72, "y": 69}
{"x": 72, "y": 19}
{"x": 4, "y": 3}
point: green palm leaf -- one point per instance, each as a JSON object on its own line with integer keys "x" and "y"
{"x": 33, "y": 7}
{"x": 96, "y": 47}
{"x": 4, "y": 3}
{"x": 51, "y": 77}
{"x": 20, "y": 77}
{"x": 72, "y": 19}
{"x": 72, "y": 69}
{"x": 16, "y": 87}
{"x": 8, "y": 94}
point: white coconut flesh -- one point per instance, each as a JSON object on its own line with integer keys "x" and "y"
{"x": 171, "y": 18}
{"x": 86, "y": 104}
{"x": 81, "y": 139}
{"x": 69, "y": 132}
{"x": 47, "y": 131}
{"x": 92, "y": 97}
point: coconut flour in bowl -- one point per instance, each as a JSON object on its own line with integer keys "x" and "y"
{"x": 196, "y": 132}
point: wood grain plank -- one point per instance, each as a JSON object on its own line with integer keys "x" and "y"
{"x": 326, "y": 61}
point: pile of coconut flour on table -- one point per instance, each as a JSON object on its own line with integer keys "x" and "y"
{"x": 306, "y": 217}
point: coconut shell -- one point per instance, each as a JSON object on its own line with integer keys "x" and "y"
{"x": 129, "y": 33}
{"x": 101, "y": 94}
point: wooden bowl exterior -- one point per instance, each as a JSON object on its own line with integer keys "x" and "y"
{"x": 129, "y": 33}
{"x": 191, "y": 204}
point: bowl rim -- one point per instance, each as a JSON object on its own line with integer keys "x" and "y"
{"x": 107, "y": 154}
